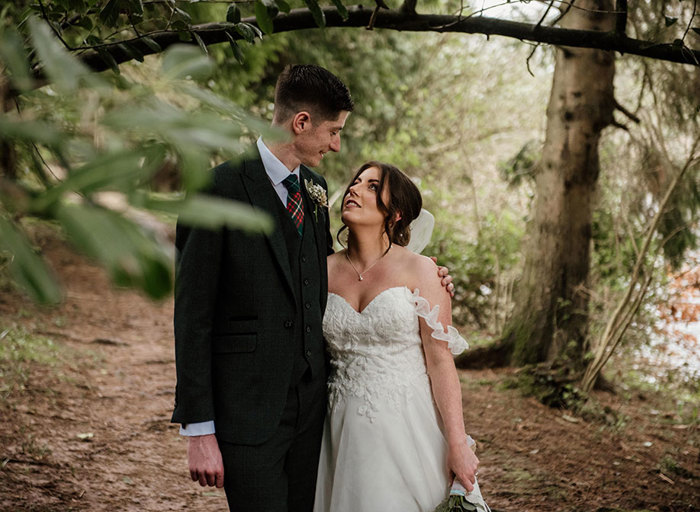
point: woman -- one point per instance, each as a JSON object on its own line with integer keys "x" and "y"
{"x": 385, "y": 446}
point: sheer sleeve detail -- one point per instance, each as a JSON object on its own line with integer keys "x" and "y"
{"x": 454, "y": 340}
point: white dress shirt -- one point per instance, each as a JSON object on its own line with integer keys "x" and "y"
{"x": 276, "y": 172}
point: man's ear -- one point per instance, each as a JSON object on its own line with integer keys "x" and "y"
{"x": 301, "y": 121}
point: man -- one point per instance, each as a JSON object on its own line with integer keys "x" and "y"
{"x": 249, "y": 348}
{"x": 251, "y": 367}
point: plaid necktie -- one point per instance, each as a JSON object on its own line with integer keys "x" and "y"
{"x": 294, "y": 207}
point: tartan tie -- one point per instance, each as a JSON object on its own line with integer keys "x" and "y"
{"x": 294, "y": 207}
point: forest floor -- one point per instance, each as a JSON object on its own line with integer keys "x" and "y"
{"x": 86, "y": 392}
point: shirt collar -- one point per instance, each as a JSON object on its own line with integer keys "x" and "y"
{"x": 274, "y": 168}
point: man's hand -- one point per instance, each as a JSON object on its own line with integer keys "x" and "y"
{"x": 204, "y": 459}
{"x": 445, "y": 278}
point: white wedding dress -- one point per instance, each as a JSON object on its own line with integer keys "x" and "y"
{"x": 383, "y": 448}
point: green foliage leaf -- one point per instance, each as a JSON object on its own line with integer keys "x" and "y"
{"x": 201, "y": 44}
{"x": 132, "y": 257}
{"x": 34, "y": 131}
{"x": 283, "y": 6}
{"x": 182, "y": 19}
{"x": 246, "y": 31}
{"x": 696, "y": 30}
{"x": 13, "y": 55}
{"x": 182, "y": 61}
{"x": 85, "y": 22}
{"x": 110, "y": 12}
{"x": 316, "y": 12}
{"x": 263, "y": 17}
{"x": 151, "y": 43}
{"x": 118, "y": 171}
{"x": 237, "y": 52}
{"x": 108, "y": 59}
{"x": 214, "y": 212}
{"x": 233, "y": 14}
{"x": 670, "y": 21}
{"x": 133, "y": 51}
{"x": 228, "y": 108}
{"x": 27, "y": 268}
{"x": 61, "y": 67}
{"x": 136, "y": 8}
{"x": 342, "y": 10}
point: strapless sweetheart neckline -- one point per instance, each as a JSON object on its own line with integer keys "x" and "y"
{"x": 403, "y": 287}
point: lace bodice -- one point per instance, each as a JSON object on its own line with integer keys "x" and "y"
{"x": 376, "y": 354}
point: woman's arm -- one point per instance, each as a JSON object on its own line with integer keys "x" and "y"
{"x": 444, "y": 380}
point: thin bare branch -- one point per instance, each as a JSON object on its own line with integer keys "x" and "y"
{"x": 627, "y": 112}
{"x": 690, "y": 21}
{"x": 623, "y": 315}
{"x": 53, "y": 28}
{"x": 545, "y": 14}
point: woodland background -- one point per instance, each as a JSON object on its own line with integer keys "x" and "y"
{"x": 564, "y": 181}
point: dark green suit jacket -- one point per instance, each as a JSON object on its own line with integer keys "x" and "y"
{"x": 234, "y": 303}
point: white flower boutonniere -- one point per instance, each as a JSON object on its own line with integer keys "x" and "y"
{"x": 317, "y": 195}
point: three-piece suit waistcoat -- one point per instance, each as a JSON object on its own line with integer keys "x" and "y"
{"x": 304, "y": 264}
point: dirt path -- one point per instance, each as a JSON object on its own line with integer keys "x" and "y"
{"x": 90, "y": 429}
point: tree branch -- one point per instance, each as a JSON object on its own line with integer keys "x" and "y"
{"x": 629, "y": 114}
{"x": 298, "y": 19}
{"x": 621, "y": 19}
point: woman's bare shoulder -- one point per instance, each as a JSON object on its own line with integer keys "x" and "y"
{"x": 418, "y": 269}
{"x": 335, "y": 258}
{"x": 417, "y": 262}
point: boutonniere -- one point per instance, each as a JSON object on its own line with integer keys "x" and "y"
{"x": 317, "y": 195}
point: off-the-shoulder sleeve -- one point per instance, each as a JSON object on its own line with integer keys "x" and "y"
{"x": 454, "y": 340}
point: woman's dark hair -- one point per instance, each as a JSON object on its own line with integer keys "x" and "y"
{"x": 313, "y": 88}
{"x": 404, "y": 199}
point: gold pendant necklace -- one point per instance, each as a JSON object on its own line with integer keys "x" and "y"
{"x": 359, "y": 275}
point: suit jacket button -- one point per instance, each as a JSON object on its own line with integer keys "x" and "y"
{"x": 307, "y": 305}
{"x": 308, "y": 353}
{"x": 306, "y": 282}
{"x": 308, "y": 328}
{"x": 288, "y": 324}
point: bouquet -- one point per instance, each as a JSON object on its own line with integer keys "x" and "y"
{"x": 459, "y": 500}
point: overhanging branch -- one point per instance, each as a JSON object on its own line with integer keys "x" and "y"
{"x": 299, "y": 19}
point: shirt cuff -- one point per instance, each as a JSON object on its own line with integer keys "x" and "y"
{"x": 202, "y": 428}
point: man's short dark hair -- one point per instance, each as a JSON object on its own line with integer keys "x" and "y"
{"x": 312, "y": 88}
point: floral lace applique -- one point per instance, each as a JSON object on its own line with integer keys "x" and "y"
{"x": 376, "y": 354}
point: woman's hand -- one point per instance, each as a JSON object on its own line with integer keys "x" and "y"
{"x": 463, "y": 463}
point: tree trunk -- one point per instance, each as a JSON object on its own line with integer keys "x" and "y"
{"x": 550, "y": 320}
{"x": 8, "y": 154}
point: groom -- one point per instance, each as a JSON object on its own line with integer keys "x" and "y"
{"x": 251, "y": 367}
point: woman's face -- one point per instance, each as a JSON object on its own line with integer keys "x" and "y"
{"x": 360, "y": 203}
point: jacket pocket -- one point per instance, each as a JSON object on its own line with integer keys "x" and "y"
{"x": 234, "y": 343}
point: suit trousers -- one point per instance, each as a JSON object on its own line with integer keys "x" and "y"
{"x": 280, "y": 474}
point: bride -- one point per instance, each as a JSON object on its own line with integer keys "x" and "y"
{"x": 394, "y": 436}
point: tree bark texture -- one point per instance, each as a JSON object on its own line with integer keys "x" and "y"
{"x": 8, "y": 154}
{"x": 550, "y": 320}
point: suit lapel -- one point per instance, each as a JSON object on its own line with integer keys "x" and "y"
{"x": 262, "y": 195}
{"x": 320, "y": 232}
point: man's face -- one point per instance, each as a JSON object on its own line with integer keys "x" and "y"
{"x": 317, "y": 139}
